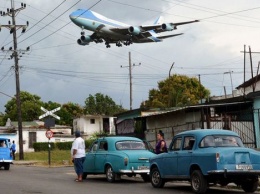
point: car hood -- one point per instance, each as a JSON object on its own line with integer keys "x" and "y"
{"x": 139, "y": 155}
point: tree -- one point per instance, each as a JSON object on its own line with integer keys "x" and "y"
{"x": 30, "y": 106}
{"x": 68, "y": 112}
{"x": 101, "y": 105}
{"x": 176, "y": 91}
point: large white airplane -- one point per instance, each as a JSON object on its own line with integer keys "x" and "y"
{"x": 112, "y": 31}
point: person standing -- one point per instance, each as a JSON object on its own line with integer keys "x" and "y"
{"x": 78, "y": 155}
{"x": 13, "y": 149}
{"x": 161, "y": 146}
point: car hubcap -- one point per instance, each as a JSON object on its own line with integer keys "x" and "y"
{"x": 195, "y": 182}
{"x": 109, "y": 173}
{"x": 156, "y": 177}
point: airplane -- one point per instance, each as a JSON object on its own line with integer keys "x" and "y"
{"x": 118, "y": 33}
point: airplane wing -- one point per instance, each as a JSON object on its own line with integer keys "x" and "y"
{"x": 157, "y": 28}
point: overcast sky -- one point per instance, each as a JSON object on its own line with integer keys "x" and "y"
{"x": 59, "y": 70}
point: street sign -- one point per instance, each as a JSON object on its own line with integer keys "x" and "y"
{"x": 47, "y": 113}
{"x": 49, "y": 134}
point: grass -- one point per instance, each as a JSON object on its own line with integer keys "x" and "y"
{"x": 57, "y": 157}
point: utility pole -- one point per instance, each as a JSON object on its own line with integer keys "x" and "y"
{"x": 13, "y": 28}
{"x": 130, "y": 78}
{"x": 230, "y": 72}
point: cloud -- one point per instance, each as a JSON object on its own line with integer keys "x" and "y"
{"x": 59, "y": 70}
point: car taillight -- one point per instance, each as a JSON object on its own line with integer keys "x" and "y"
{"x": 125, "y": 161}
{"x": 217, "y": 157}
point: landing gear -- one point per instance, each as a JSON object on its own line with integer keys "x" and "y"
{"x": 107, "y": 44}
{"x": 119, "y": 44}
{"x": 99, "y": 40}
{"x": 128, "y": 42}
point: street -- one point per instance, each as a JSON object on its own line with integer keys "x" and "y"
{"x": 21, "y": 179}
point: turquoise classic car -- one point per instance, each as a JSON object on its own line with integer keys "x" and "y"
{"x": 207, "y": 157}
{"x": 5, "y": 153}
{"x": 116, "y": 156}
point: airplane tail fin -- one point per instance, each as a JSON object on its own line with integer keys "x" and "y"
{"x": 159, "y": 20}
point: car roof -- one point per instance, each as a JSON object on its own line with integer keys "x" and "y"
{"x": 205, "y": 132}
{"x": 3, "y": 138}
{"x": 119, "y": 138}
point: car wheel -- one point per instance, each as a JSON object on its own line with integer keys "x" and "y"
{"x": 250, "y": 186}
{"x": 110, "y": 174}
{"x": 7, "y": 166}
{"x": 145, "y": 177}
{"x": 198, "y": 182}
{"x": 156, "y": 178}
{"x": 84, "y": 176}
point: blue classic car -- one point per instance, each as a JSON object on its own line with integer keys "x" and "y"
{"x": 116, "y": 156}
{"x": 207, "y": 157}
{"x": 5, "y": 153}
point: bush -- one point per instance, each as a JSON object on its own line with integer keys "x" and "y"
{"x": 43, "y": 146}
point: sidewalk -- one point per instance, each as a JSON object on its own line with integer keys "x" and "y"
{"x": 24, "y": 162}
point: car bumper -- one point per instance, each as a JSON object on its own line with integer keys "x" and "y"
{"x": 144, "y": 171}
{"x": 234, "y": 172}
{"x": 6, "y": 161}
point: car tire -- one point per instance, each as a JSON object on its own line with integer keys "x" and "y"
{"x": 7, "y": 166}
{"x": 145, "y": 177}
{"x": 198, "y": 182}
{"x": 110, "y": 175}
{"x": 156, "y": 179}
{"x": 250, "y": 186}
{"x": 84, "y": 176}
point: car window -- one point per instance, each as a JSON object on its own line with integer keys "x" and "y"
{"x": 176, "y": 144}
{"x": 130, "y": 145}
{"x": 3, "y": 143}
{"x": 188, "y": 143}
{"x": 221, "y": 141}
{"x": 94, "y": 147}
{"x": 103, "y": 146}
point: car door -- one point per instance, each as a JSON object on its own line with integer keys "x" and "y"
{"x": 185, "y": 155}
{"x": 170, "y": 160}
{"x": 101, "y": 155}
{"x": 89, "y": 164}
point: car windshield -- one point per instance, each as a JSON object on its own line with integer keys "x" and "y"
{"x": 130, "y": 145}
{"x": 221, "y": 141}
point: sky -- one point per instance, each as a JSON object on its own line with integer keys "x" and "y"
{"x": 59, "y": 70}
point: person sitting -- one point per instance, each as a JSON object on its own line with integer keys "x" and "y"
{"x": 191, "y": 143}
{"x": 2, "y": 144}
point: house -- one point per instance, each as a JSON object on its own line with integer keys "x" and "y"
{"x": 239, "y": 112}
{"x": 35, "y": 132}
{"x": 91, "y": 124}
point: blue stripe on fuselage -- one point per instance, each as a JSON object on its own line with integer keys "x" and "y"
{"x": 86, "y": 17}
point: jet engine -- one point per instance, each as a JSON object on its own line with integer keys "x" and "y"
{"x": 84, "y": 40}
{"x": 168, "y": 27}
{"x": 80, "y": 42}
{"x": 134, "y": 30}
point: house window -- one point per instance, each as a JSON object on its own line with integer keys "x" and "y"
{"x": 92, "y": 121}
{"x": 32, "y": 139}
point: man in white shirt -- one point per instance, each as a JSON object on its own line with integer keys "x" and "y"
{"x": 78, "y": 155}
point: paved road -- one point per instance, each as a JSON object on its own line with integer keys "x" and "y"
{"x": 24, "y": 179}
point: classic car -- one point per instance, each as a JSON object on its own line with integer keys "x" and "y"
{"x": 116, "y": 156}
{"x": 207, "y": 157}
{"x": 5, "y": 153}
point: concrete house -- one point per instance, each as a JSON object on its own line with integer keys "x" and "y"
{"x": 91, "y": 124}
{"x": 35, "y": 132}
